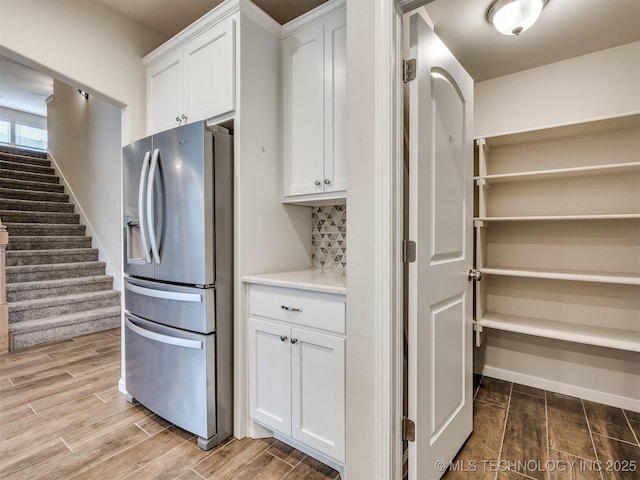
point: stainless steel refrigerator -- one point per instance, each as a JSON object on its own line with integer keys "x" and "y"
{"x": 178, "y": 265}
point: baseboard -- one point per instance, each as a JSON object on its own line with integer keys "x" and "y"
{"x": 122, "y": 387}
{"x": 111, "y": 269}
{"x": 259, "y": 431}
{"x": 313, "y": 453}
{"x": 560, "y": 387}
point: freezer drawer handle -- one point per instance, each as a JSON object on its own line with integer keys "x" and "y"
{"x": 157, "y": 337}
{"x": 290, "y": 309}
{"x": 163, "y": 294}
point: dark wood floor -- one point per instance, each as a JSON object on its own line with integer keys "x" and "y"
{"x": 522, "y": 433}
{"x": 62, "y": 417}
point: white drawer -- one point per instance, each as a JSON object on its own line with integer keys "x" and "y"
{"x": 326, "y": 312}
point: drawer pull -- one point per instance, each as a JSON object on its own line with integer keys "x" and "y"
{"x": 290, "y": 309}
{"x": 283, "y": 338}
{"x": 294, "y": 340}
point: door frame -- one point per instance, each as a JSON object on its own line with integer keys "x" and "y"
{"x": 388, "y": 227}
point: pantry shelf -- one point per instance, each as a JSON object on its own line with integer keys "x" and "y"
{"x": 601, "y": 336}
{"x": 598, "y": 277}
{"x": 557, "y": 236}
{"x": 618, "y": 168}
{"x": 547, "y": 218}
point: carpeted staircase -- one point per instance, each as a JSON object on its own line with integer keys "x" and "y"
{"x": 56, "y": 287}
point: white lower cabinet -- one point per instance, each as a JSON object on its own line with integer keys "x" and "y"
{"x": 297, "y": 368}
{"x": 271, "y": 374}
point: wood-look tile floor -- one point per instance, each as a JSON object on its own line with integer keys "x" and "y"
{"x": 62, "y": 417}
{"x": 523, "y": 433}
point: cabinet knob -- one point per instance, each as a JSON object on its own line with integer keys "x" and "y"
{"x": 283, "y": 338}
{"x": 184, "y": 117}
{"x": 474, "y": 275}
{"x": 318, "y": 183}
{"x": 178, "y": 119}
{"x": 294, "y": 340}
{"x": 327, "y": 181}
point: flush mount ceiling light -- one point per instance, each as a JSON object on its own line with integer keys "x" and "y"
{"x": 512, "y": 17}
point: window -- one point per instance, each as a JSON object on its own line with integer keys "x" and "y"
{"x": 31, "y": 137}
{"x": 5, "y": 132}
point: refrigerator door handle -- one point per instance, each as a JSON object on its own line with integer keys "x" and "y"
{"x": 163, "y": 294}
{"x": 151, "y": 205}
{"x": 158, "y": 337}
{"x": 141, "y": 213}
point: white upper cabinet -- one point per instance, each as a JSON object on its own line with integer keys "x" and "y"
{"x": 335, "y": 113}
{"x": 303, "y": 85}
{"x": 209, "y": 66}
{"x": 192, "y": 76}
{"x": 165, "y": 82}
{"x": 314, "y": 105}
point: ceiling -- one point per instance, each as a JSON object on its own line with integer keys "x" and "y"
{"x": 23, "y": 89}
{"x": 168, "y": 17}
{"x": 566, "y": 28}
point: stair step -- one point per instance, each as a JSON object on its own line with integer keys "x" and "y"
{"x": 33, "y": 332}
{"x": 17, "y": 242}
{"x": 33, "y": 195}
{"x": 24, "y": 216}
{"x": 56, "y": 287}
{"x": 34, "y": 273}
{"x": 33, "y": 177}
{"x": 39, "y": 308}
{"x": 18, "y": 166}
{"x": 25, "y": 152}
{"x": 35, "y": 206}
{"x": 33, "y": 186}
{"x": 59, "y": 287}
{"x": 26, "y": 160}
{"x": 55, "y": 256}
{"x": 44, "y": 229}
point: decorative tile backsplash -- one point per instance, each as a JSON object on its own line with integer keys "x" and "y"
{"x": 329, "y": 237}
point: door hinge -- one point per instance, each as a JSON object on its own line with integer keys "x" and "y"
{"x": 408, "y": 70}
{"x": 408, "y": 430}
{"x": 408, "y": 251}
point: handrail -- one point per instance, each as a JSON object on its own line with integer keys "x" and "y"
{"x": 4, "y": 308}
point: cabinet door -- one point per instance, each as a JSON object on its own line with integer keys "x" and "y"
{"x": 165, "y": 84}
{"x": 335, "y": 117}
{"x": 270, "y": 374}
{"x": 303, "y": 93}
{"x": 318, "y": 403}
{"x": 210, "y": 72}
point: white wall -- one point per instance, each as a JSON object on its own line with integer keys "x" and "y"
{"x": 24, "y": 118}
{"x": 85, "y": 45}
{"x": 361, "y": 391}
{"x": 84, "y": 140}
{"x": 601, "y": 84}
{"x": 270, "y": 236}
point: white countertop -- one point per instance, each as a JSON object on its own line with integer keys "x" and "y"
{"x": 308, "y": 279}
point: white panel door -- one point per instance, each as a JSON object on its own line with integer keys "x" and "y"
{"x": 318, "y": 391}
{"x": 441, "y": 223}
{"x": 335, "y": 118}
{"x": 165, "y": 86}
{"x": 210, "y": 72}
{"x": 270, "y": 374}
{"x": 303, "y": 111}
